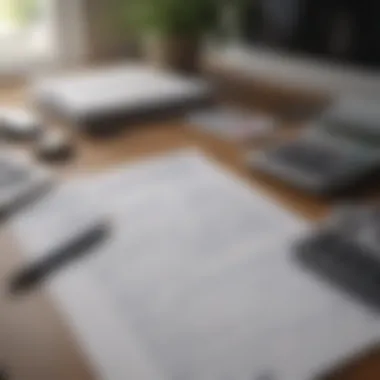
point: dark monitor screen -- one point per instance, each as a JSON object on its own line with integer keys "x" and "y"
{"x": 341, "y": 30}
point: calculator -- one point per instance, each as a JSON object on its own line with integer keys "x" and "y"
{"x": 336, "y": 153}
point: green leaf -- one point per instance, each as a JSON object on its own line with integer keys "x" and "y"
{"x": 178, "y": 17}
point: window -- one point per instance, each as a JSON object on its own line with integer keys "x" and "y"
{"x": 16, "y": 15}
{"x": 38, "y": 32}
{"x": 24, "y": 32}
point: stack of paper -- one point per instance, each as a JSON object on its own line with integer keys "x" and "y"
{"x": 197, "y": 281}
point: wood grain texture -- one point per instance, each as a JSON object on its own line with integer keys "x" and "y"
{"x": 35, "y": 343}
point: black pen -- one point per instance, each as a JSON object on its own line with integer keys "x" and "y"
{"x": 32, "y": 275}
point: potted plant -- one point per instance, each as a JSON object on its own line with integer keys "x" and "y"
{"x": 172, "y": 31}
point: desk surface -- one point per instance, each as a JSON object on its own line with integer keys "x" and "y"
{"x": 35, "y": 344}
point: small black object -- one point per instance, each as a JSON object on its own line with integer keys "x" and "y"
{"x": 54, "y": 147}
{"x": 28, "y": 278}
{"x": 317, "y": 159}
{"x": 346, "y": 253}
{"x": 4, "y": 375}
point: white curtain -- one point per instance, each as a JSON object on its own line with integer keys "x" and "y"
{"x": 68, "y": 29}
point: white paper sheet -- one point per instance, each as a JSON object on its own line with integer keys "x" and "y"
{"x": 233, "y": 125}
{"x": 197, "y": 281}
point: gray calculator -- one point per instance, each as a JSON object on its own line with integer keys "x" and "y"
{"x": 335, "y": 153}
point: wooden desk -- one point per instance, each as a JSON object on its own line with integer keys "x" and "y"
{"x": 35, "y": 343}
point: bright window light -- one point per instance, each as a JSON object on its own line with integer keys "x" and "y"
{"x": 25, "y": 34}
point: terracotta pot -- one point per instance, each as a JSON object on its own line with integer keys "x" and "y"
{"x": 175, "y": 53}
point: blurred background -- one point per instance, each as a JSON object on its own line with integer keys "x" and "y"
{"x": 288, "y": 84}
{"x": 329, "y": 45}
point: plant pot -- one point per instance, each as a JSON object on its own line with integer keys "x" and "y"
{"x": 175, "y": 53}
